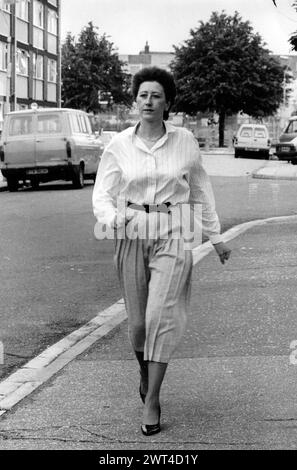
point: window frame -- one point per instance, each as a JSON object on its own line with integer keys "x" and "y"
{"x": 38, "y": 15}
{"x": 3, "y": 56}
{"x": 49, "y": 63}
{"x": 52, "y": 19}
{"x": 36, "y": 58}
{"x": 22, "y": 52}
{"x": 22, "y": 10}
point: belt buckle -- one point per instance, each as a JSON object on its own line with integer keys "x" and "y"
{"x": 164, "y": 207}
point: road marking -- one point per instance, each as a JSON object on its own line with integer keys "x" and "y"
{"x": 37, "y": 371}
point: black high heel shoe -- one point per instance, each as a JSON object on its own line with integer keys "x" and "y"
{"x": 151, "y": 429}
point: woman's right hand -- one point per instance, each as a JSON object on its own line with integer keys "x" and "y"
{"x": 120, "y": 221}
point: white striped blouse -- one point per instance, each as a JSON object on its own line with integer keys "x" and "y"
{"x": 171, "y": 171}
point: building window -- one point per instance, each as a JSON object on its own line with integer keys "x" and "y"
{"x": 52, "y": 22}
{"x": 22, "y": 10}
{"x": 3, "y": 56}
{"x": 22, "y": 60}
{"x": 5, "y": 6}
{"x": 38, "y": 14}
{"x": 38, "y": 66}
{"x": 52, "y": 71}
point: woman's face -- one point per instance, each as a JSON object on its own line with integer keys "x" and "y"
{"x": 151, "y": 101}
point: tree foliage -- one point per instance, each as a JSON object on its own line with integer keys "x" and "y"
{"x": 89, "y": 66}
{"x": 225, "y": 68}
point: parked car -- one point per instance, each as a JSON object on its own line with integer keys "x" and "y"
{"x": 43, "y": 145}
{"x": 286, "y": 148}
{"x": 252, "y": 140}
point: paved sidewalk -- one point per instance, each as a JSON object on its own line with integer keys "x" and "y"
{"x": 265, "y": 169}
{"x": 230, "y": 384}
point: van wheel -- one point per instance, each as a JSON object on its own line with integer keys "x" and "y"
{"x": 78, "y": 177}
{"x": 12, "y": 184}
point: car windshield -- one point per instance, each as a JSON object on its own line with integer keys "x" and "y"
{"x": 292, "y": 127}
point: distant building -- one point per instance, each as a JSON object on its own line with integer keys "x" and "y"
{"x": 146, "y": 58}
{"x": 29, "y": 54}
{"x": 289, "y": 105}
{"x": 289, "y": 62}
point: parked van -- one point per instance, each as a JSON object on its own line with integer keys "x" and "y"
{"x": 286, "y": 148}
{"x": 252, "y": 140}
{"x": 42, "y": 145}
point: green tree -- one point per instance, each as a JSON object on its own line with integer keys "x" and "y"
{"x": 225, "y": 68}
{"x": 70, "y": 90}
{"x": 91, "y": 67}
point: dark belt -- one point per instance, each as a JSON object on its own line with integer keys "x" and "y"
{"x": 150, "y": 207}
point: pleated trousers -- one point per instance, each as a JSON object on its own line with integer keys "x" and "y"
{"x": 155, "y": 279}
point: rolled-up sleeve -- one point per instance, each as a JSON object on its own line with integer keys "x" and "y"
{"x": 201, "y": 192}
{"x": 106, "y": 189}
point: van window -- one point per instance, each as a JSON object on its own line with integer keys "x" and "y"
{"x": 75, "y": 128}
{"x": 49, "y": 124}
{"x": 20, "y": 125}
{"x": 246, "y": 132}
{"x": 260, "y": 132}
{"x": 82, "y": 122}
{"x": 292, "y": 128}
{"x": 88, "y": 124}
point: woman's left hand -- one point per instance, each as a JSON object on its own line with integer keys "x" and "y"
{"x": 223, "y": 251}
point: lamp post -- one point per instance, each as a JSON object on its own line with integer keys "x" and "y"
{"x": 8, "y": 76}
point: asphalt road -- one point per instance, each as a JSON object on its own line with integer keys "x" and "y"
{"x": 55, "y": 276}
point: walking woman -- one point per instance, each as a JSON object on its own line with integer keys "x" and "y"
{"x": 152, "y": 169}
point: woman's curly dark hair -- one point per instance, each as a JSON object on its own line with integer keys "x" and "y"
{"x": 156, "y": 74}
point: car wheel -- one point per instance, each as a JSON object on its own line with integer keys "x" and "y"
{"x": 78, "y": 177}
{"x": 12, "y": 184}
{"x": 34, "y": 183}
{"x": 236, "y": 153}
{"x": 266, "y": 154}
{"x": 294, "y": 162}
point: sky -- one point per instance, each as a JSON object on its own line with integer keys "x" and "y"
{"x": 128, "y": 24}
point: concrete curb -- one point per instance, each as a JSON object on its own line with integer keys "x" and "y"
{"x": 287, "y": 172}
{"x": 37, "y": 371}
